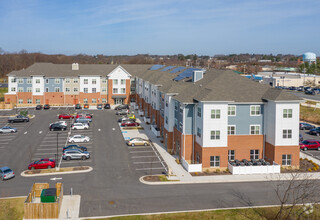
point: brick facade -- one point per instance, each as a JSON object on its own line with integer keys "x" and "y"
{"x": 274, "y": 153}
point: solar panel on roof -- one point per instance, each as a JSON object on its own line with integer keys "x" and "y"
{"x": 178, "y": 69}
{"x": 168, "y": 68}
{"x": 185, "y": 74}
{"x": 156, "y": 67}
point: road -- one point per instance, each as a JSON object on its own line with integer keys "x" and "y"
{"x": 113, "y": 187}
{"x": 305, "y": 96}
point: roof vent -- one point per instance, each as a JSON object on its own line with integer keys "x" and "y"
{"x": 197, "y": 75}
{"x": 75, "y": 66}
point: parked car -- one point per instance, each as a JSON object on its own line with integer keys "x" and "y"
{"x": 74, "y": 147}
{"x": 129, "y": 124}
{"x": 79, "y": 126}
{"x": 300, "y": 88}
{"x": 125, "y": 118}
{"x": 309, "y": 145}
{"x": 131, "y": 116}
{"x": 107, "y": 106}
{"x": 315, "y": 131}
{"x": 119, "y": 107}
{"x": 38, "y": 107}
{"x": 138, "y": 141}
{"x": 46, "y": 106}
{"x": 83, "y": 120}
{"x": 7, "y": 129}
{"x": 65, "y": 116}
{"x": 306, "y": 126}
{"x": 300, "y": 138}
{"x": 99, "y": 106}
{"x": 42, "y": 164}
{"x": 75, "y": 154}
{"x": 77, "y": 106}
{"x": 18, "y": 118}
{"x": 86, "y": 106}
{"x": 57, "y": 127}
{"x": 64, "y": 123}
{"x": 84, "y": 115}
{"x": 309, "y": 92}
{"x": 78, "y": 138}
{"x": 6, "y": 173}
{"x": 122, "y": 112}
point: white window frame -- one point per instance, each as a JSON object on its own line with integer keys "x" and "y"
{"x": 114, "y": 82}
{"x": 67, "y": 80}
{"x": 103, "y": 89}
{"x": 68, "y": 89}
{"x": 85, "y": 101}
{"x": 20, "y": 89}
{"x": 47, "y": 89}
{"x": 86, "y": 81}
{"x": 38, "y": 101}
{"x": 215, "y": 113}
{"x": 37, "y": 90}
{"x": 215, "y": 135}
{"x": 75, "y": 81}
{"x": 166, "y": 120}
{"x": 56, "y": 89}
{"x": 123, "y": 90}
{"x": 230, "y": 112}
{"x": 94, "y": 100}
{"x": 29, "y": 81}
{"x": 57, "y": 81}
{"x": 230, "y": 130}
{"x": 255, "y": 129}
{"x": 286, "y": 160}
{"x": 94, "y": 90}
{"x": 94, "y": 81}
{"x": 20, "y": 101}
{"x": 29, "y": 101}
{"x": 13, "y": 89}
{"x": 231, "y": 155}
{"x": 29, "y": 89}
{"x": 20, "y": 81}
{"x": 122, "y": 81}
{"x": 85, "y": 90}
{"x": 115, "y": 91}
{"x": 104, "y": 100}
{"x": 38, "y": 81}
{"x": 75, "y": 89}
{"x": 215, "y": 161}
{"x": 287, "y": 133}
{"x": 287, "y": 113}
{"x": 181, "y": 126}
{"x": 255, "y": 110}
{"x": 199, "y": 132}
{"x": 104, "y": 80}
{"x": 199, "y": 112}
{"x": 254, "y": 155}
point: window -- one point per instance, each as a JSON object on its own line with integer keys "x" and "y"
{"x": 214, "y": 161}
{"x": 180, "y": 126}
{"x": 67, "y": 80}
{"x": 94, "y": 81}
{"x": 104, "y": 80}
{"x": 287, "y": 113}
{"x": 166, "y": 103}
{"x": 38, "y": 81}
{"x": 57, "y": 89}
{"x": 215, "y": 135}
{"x": 94, "y": 90}
{"x": 20, "y": 101}
{"x": 197, "y": 157}
{"x": 75, "y": 81}
{"x": 29, "y": 101}
{"x": 286, "y": 159}
{"x": 103, "y": 89}
{"x": 287, "y": 134}
{"x": 215, "y": 113}
{"x": 123, "y": 91}
{"x": 231, "y": 155}
{"x": 254, "y": 154}
{"x": 181, "y": 109}
{"x": 254, "y": 110}
{"x": 104, "y": 100}
{"x": 29, "y": 89}
{"x": 115, "y": 90}
{"x": 47, "y": 89}
{"x": 29, "y": 81}
{"x": 115, "y": 82}
{"x": 67, "y": 89}
{"x": 57, "y": 81}
{"x": 37, "y": 101}
{"x": 231, "y": 110}
{"x": 20, "y": 89}
{"x": 231, "y": 130}
{"x": 176, "y": 122}
{"x": 85, "y": 81}
{"x": 13, "y": 89}
{"x": 166, "y": 120}
{"x": 94, "y": 100}
{"x": 123, "y": 82}
{"x": 199, "y": 112}
{"x": 198, "y": 132}
{"x": 85, "y": 90}
{"x": 85, "y": 100}
{"x": 13, "y": 80}
{"x": 75, "y": 89}
{"x": 37, "y": 89}
{"x": 20, "y": 81}
{"x": 254, "y": 129}
{"x": 176, "y": 106}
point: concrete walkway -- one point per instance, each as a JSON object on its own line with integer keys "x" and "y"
{"x": 70, "y": 207}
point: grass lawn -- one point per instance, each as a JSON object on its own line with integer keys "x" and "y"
{"x": 310, "y": 114}
{"x": 2, "y": 92}
{"x": 11, "y": 208}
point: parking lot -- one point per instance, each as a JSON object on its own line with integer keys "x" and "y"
{"x": 306, "y": 136}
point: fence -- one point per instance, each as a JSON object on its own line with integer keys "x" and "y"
{"x": 191, "y": 167}
{"x": 275, "y": 168}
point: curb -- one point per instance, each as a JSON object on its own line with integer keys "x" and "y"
{"x": 55, "y": 173}
{"x": 13, "y": 197}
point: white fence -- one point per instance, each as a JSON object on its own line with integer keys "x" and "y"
{"x": 238, "y": 170}
{"x": 191, "y": 167}
{"x": 155, "y": 131}
{"x": 146, "y": 119}
{"x": 140, "y": 112}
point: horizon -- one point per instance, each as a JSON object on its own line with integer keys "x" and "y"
{"x": 168, "y": 27}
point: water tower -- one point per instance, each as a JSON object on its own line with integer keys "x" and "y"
{"x": 309, "y": 57}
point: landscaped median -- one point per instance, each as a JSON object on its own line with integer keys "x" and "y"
{"x": 161, "y": 179}
{"x": 65, "y": 170}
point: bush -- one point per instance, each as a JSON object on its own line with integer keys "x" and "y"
{"x": 315, "y": 168}
{"x": 24, "y": 113}
{"x": 206, "y": 171}
{"x": 218, "y": 170}
{"x": 196, "y": 173}
{"x": 309, "y": 170}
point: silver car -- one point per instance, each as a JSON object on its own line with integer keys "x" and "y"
{"x": 6, "y": 173}
{"x": 7, "y": 129}
{"x": 75, "y": 155}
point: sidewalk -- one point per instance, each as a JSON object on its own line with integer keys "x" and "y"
{"x": 70, "y": 207}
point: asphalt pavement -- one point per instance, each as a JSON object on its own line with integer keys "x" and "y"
{"x": 113, "y": 187}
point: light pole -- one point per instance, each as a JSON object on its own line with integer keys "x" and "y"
{"x": 57, "y": 147}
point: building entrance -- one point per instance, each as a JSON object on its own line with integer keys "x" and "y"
{"x": 118, "y": 101}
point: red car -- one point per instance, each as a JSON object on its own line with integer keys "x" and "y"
{"x": 65, "y": 116}
{"x": 309, "y": 144}
{"x": 130, "y": 124}
{"x": 42, "y": 164}
{"x": 84, "y": 116}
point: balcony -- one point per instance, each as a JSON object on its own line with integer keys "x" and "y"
{"x": 140, "y": 113}
{"x": 252, "y": 167}
{"x": 147, "y": 119}
{"x": 155, "y": 130}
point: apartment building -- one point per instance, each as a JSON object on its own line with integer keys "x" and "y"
{"x": 203, "y": 117}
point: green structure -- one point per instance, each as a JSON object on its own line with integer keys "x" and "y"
{"x": 48, "y": 195}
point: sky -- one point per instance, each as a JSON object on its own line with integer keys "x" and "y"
{"x": 162, "y": 27}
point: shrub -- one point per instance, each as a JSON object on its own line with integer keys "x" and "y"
{"x": 196, "y": 173}
{"x": 24, "y": 113}
{"x": 218, "y": 170}
{"x": 206, "y": 171}
{"x": 309, "y": 170}
{"x": 315, "y": 168}
{"x": 227, "y": 170}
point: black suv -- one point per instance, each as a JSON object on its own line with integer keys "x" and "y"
{"x": 46, "y": 106}
{"x": 57, "y": 127}
{"x": 38, "y": 107}
{"x": 107, "y": 106}
{"x": 119, "y": 107}
{"x": 306, "y": 126}
{"x": 78, "y": 106}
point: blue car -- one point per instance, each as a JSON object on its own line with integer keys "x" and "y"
{"x": 6, "y": 173}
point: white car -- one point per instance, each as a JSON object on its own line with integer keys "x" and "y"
{"x": 7, "y": 129}
{"x": 78, "y": 138}
{"x": 79, "y": 126}
{"x": 64, "y": 123}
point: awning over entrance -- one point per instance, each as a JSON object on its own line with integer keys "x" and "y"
{"x": 119, "y": 96}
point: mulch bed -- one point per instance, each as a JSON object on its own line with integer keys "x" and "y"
{"x": 152, "y": 179}
{"x": 304, "y": 166}
{"x": 80, "y": 168}
{"x": 210, "y": 173}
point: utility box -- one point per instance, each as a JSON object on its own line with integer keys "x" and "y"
{"x": 48, "y": 195}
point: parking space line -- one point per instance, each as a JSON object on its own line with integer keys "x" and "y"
{"x": 142, "y": 156}
{"x": 133, "y": 152}
{"x": 155, "y": 168}
{"x": 80, "y": 161}
{"x": 147, "y": 162}
{"x": 138, "y": 147}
